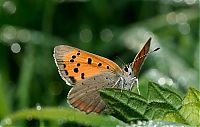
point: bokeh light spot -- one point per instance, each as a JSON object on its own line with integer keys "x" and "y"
{"x": 86, "y": 35}
{"x": 177, "y": 1}
{"x": 23, "y": 35}
{"x": 6, "y": 121}
{"x": 181, "y": 18}
{"x": 38, "y": 107}
{"x": 171, "y": 18}
{"x": 190, "y": 2}
{"x": 9, "y": 7}
{"x": 184, "y": 28}
{"x": 106, "y": 35}
{"x": 161, "y": 81}
{"x": 8, "y": 33}
{"x": 170, "y": 82}
{"x": 15, "y": 48}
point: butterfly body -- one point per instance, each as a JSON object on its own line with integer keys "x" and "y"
{"x": 126, "y": 79}
{"x": 88, "y": 73}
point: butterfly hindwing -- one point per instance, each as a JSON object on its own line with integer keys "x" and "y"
{"x": 75, "y": 64}
{"x": 85, "y": 96}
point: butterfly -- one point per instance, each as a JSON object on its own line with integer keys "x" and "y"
{"x": 88, "y": 73}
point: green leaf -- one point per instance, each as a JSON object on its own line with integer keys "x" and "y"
{"x": 124, "y": 105}
{"x": 161, "y": 101}
{"x": 62, "y": 114}
{"x": 190, "y": 110}
{"x": 131, "y": 107}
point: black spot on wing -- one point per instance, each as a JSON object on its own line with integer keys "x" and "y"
{"x": 66, "y": 72}
{"x": 76, "y": 70}
{"x": 82, "y": 75}
{"x": 71, "y": 60}
{"x": 89, "y": 60}
{"x": 72, "y": 79}
{"x": 107, "y": 67}
{"x": 78, "y": 64}
{"x": 73, "y": 57}
{"x": 99, "y": 64}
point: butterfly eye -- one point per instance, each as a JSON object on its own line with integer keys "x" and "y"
{"x": 126, "y": 69}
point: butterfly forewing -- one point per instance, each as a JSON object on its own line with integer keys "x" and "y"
{"x": 140, "y": 57}
{"x": 75, "y": 64}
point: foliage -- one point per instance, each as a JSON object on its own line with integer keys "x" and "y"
{"x": 190, "y": 110}
{"x": 61, "y": 115}
{"x": 160, "y": 104}
{"x": 29, "y": 30}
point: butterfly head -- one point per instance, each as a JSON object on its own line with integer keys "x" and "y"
{"x": 128, "y": 80}
{"x": 127, "y": 70}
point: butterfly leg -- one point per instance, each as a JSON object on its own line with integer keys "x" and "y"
{"x": 122, "y": 83}
{"x": 116, "y": 83}
{"x": 135, "y": 81}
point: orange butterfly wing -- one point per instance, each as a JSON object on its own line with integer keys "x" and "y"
{"x": 75, "y": 64}
{"x": 140, "y": 57}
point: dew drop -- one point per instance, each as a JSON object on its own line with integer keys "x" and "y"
{"x": 38, "y": 107}
{"x": 6, "y": 121}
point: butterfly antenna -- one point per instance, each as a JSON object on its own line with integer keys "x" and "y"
{"x": 156, "y": 49}
{"x": 121, "y": 60}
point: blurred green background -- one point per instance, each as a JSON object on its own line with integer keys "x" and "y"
{"x": 29, "y": 30}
